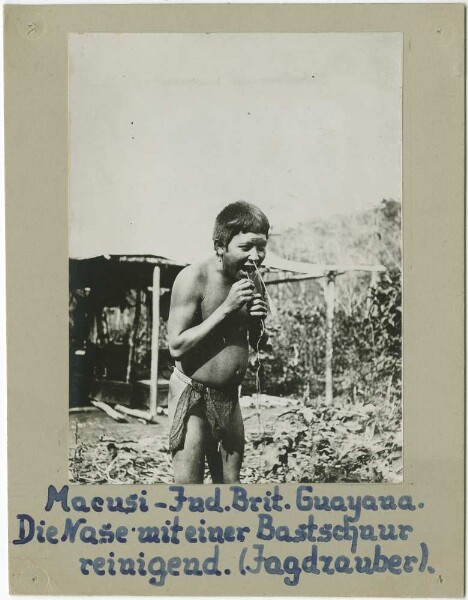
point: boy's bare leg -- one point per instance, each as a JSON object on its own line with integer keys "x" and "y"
{"x": 215, "y": 461}
{"x": 232, "y": 459}
{"x": 189, "y": 462}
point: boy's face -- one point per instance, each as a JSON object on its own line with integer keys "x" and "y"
{"x": 243, "y": 250}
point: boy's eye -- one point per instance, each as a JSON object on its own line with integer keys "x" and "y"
{"x": 260, "y": 249}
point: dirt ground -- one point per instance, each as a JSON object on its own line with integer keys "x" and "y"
{"x": 102, "y": 450}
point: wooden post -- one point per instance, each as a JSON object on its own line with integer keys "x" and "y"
{"x": 155, "y": 342}
{"x": 131, "y": 366}
{"x": 329, "y": 292}
{"x": 135, "y": 333}
{"x": 374, "y": 282}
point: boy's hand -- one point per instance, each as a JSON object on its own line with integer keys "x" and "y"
{"x": 258, "y": 307}
{"x": 240, "y": 293}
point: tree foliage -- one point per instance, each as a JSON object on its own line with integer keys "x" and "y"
{"x": 359, "y": 436}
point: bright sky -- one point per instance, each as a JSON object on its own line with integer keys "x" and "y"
{"x": 166, "y": 129}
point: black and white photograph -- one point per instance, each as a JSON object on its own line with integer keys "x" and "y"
{"x": 235, "y": 258}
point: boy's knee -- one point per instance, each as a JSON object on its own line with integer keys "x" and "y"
{"x": 188, "y": 471}
{"x": 188, "y": 478}
{"x": 231, "y": 478}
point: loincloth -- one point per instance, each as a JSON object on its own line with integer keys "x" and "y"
{"x": 199, "y": 399}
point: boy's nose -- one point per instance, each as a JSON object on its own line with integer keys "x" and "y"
{"x": 253, "y": 255}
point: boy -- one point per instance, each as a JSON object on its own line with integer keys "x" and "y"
{"x": 215, "y": 311}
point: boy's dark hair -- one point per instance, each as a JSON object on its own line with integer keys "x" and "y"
{"x": 238, "y": 217}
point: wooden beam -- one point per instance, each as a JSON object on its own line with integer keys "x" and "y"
{"x": 147, "y": 259}
{"x": 292, "y": 278}
{"x": 375, "y": 270}
{"x": 155, "y": 342}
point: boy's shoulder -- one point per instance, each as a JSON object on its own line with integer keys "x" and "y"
{"x": 193, "y": 275}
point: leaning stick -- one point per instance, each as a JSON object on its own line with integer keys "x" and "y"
{"x": 134, "y": 412}
{"x": 117, "y": 416}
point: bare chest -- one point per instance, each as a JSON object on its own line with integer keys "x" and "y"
{"x": 214, "y": 296}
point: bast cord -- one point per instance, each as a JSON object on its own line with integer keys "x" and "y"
{"x": 272, "y": 309}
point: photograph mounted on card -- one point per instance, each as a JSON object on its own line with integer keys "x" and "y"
{"x": 262, "y": 174}
{"x": 241, "y": 252}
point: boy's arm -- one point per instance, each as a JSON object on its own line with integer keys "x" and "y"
{"x": 185, "y": 302}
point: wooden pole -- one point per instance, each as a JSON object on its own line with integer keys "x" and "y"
{"x": 374, "y": 282}
{"x": 155, "y": 342}
{"x": 131, "y": 367}
{"x": 135, "y": 336}
{"x": 329, "y": 291}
